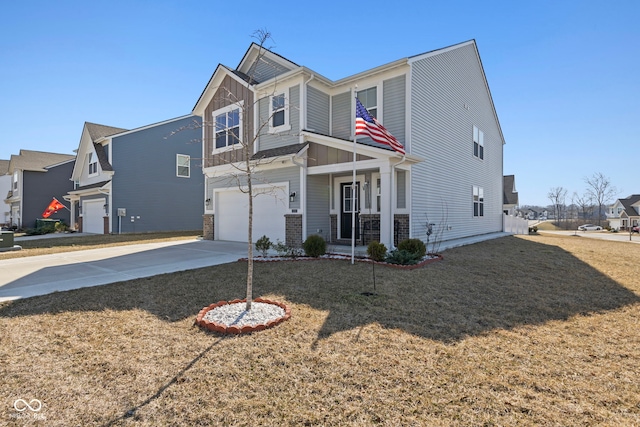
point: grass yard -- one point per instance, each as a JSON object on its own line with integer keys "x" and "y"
{"x": 52, "y": 245}
{"x": 531, "y": 330}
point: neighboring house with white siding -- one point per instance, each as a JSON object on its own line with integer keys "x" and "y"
{"x": 437, "y": 104}
{"x": 141, "y": 180}
{"x": 510, "y": 199}
{"x": 624, "y": 213}
{"x": 5, "y": 188}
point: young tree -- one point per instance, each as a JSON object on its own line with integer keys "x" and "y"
{"x": 600, "y": 190}
{"x": 557, "y": 198}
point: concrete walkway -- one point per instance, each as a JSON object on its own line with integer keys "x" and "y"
{"x": 44, "y": 274}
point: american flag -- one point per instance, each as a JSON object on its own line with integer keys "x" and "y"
{"x": 366, "y": 124}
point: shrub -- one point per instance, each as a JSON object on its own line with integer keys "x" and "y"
{"x": 533, "y": 230}
{"x": 402, "y": 257}
{"x": 263, "y": 245}
{"x": 61, "y": 227}
{"x": 315, "y": 246}
{"x": 286, "y": 251}
{"x": 414, "y": 246}
{"x": 376, "y": 251}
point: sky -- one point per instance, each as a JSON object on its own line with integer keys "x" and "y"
{"x": 564, "y": 75}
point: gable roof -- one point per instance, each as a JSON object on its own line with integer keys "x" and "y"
{"x": 628, "y": 204}
{"x": 37, "y": 161}
{"x": 4, "y": 167}
{"x": 97, "y": 131}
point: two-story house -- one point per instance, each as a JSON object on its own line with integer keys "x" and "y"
{"x": 624, "y": 213}
{"x": 36, "y": 178}
{"x": 296, "y": 129}
{"x": 141, "y": 180}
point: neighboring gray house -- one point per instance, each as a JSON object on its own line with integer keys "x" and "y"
{"x": 510, "y": 197}
{"x": 141, "y": 180}
{"x": 624, "y": 213}
{"x": 5, "y": 188}
{"x": 437, "y": 104}
{"x": 36, "y": 178}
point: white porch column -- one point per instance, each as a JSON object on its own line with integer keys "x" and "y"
{"x": 386, "y": 207}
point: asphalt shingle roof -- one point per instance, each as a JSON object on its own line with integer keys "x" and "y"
{"x": 37, "y": 160}
{"x": 509, "y": 197}
{"x": 97, "y": 131}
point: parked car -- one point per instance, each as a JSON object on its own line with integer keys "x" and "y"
{"x": 635, "y": 229}
{"x": 589, "y": 227}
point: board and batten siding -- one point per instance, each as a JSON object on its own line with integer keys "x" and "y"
{"x": 269, "y": 140}
{"x": 260, "y": 178}
{"x": 229, "y": 92}
{"x": 448, "y": 97}
{"x": 318, "y": 206}
{"x": 317, "y": 111}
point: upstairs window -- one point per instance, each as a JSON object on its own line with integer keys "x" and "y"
{"x": 183, "y": 166}
{"x": 227, "y": 129}
{"x": 15, "y": 181}
{"x": 478, "y": 143}
{"x": 278, "y": 113}
{"x": 478, "y": 201}
{"x": 369, "y": 99}
{"x": 93, "y": 164}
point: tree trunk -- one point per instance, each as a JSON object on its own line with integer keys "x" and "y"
{"x": 249, "y": 237}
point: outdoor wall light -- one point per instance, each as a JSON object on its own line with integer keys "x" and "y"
{"x": 292, "y": 196}
{"x": 208, "y": 202}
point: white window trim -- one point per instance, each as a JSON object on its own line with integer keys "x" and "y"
{"x": 235, "y": 106}
{"x": 89, "y": 163}
{"x": 478, "y": 137}
{"x": 480, "y": 192}
{"x": 178, "y": 166}
{"x": 379, "y": 105}
{"x": 287, "y": 124}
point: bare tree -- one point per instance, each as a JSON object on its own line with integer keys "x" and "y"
{"x": 584, "y": 203}
{"x": 600, "y": 190}
{"x": 557, "y": 198}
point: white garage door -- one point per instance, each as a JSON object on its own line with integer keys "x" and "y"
{"x": 93, "y": 216}
{"x": 269, "y": 208}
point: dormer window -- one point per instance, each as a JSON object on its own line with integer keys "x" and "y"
{"x": 93, "y": 164}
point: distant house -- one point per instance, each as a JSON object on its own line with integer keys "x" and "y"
{"x": 5, "y": 188}
{"x": 36, "y": 178}
{"x": 436, "y": 104}
{"x": 141, "y": 180}
{"x": 624, "y": 213}
{"x": 510, "y": 195}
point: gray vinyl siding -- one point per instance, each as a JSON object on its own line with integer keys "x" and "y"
{"x": 341, "y": 116}
{"x": 39, "y": 188}
{"x": 274, "y": 176}
{"x": 266, "y": 69}
{"x": 401, "y": 187}
{"x": 281, "y": 139}
{"x": 145, "y": 181}
{"x": 318, "y": 205}
{"x": 394, "y": 106}
{"x": 317, "y": 111}
{"x": 441, "y": 129}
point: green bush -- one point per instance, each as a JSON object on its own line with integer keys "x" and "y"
{"x": 376, "y": 251}
{"x": 414, "y": 246}
{"x": 314, "y": 246}
{"x": 402, "y": 257}
{"x": 263, "y": 245}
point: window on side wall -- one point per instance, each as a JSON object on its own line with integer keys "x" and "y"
{"x": 369, "y": 100}
{"x": 228, "y": 123}
{"x": 478, "y": 143}
{"x": 93, "y": 164}
{"x": 183, "y": 166}
{"x": 478, "y": 201}
{"x": 279, "y": 113}
{"x": 15, "y": 181}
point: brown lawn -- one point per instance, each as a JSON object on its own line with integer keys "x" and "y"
{"x": 536, "y": 330}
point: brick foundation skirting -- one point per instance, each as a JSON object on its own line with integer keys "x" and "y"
{"x": 207, "y": 226}
{"x": 293, "y": 230}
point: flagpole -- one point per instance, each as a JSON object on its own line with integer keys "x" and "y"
{"x": 353, "y": 193}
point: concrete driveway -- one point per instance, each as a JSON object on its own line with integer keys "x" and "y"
{"x": 43, "y": 274}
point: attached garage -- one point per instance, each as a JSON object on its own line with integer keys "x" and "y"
{"x": 270, "y": 205}
{"x": 93, "y": 216}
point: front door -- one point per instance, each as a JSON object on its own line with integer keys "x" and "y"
{"x": 349, "y": 203}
